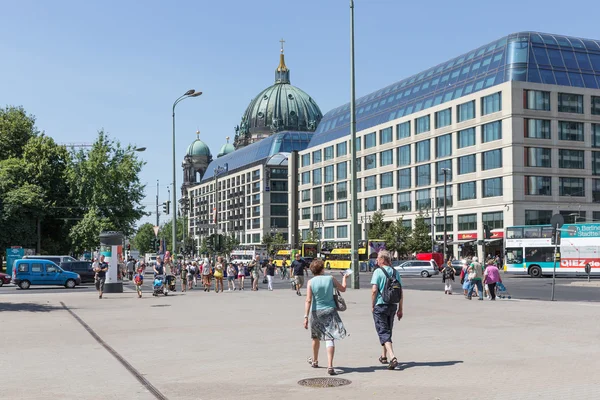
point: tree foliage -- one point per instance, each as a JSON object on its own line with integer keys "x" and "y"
{"x": 420, "y": 239}
{"x": 143, "y": 238}
{"x": 16, "y": 128}
{"x": 273, "y": 242}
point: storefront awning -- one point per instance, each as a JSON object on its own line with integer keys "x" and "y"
{"x": 462, "y": 241}
{"x": 492, "y": 241}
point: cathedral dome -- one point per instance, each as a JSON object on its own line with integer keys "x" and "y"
{"x": 226, "y": 149}
{"x": 281, "y": 107}
{"x": 198, "y": 148}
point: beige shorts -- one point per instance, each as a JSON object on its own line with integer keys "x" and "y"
{"x": 299, "y": 280}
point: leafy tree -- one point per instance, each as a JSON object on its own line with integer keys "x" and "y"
{"x": 166, "y": 232}
{"x": 420, "y": 240}
{"x": 230, "y": 243}
{"x": 203, "y": 250}
{"x": 273, "y": 242}
{"x": 16, "y": 128}
{"x": 378, "y": 226}
{"x": 143, "y": 238}
{"x": 84, "y": 235}
{"x": 397, "y": 237}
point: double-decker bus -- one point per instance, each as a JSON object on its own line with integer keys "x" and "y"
{"x": 310, "y": 250}
{"x": 340, "y": 257}
{"x": 245, "y": 254}
{"x": 529, "y": 250}
{"x": 281, "y": 255}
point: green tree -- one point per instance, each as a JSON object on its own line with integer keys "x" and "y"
{"x": 420, "y": 239}
{"x": 273, "y": 242}
{"x": 143, "y": 238}
{"x": 16, "y": 128}
{"x": 396, "y": 238}
{"x": 166, "y": 232}
{"x": 230, "y": 243}
{"x": 378, "y": 227}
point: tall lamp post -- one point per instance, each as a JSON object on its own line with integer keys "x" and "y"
{"x": 445, "y": 171}
{"x": 354, "y": 234}
{"x": 189, "y": 93}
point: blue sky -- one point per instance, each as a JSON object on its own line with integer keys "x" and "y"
{"x": 80, "y": 66}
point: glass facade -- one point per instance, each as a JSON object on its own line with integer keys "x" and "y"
{"x": 329, "y": 192}
{"x": 342, "y": 210}
{"x": 494, "y": 220}
{"x": 467, "y": 222}
{"x": 341, "y": 149}
{"x": 570, "y": 103}
{"x": 537, "y": 100}
{"x": 404, "y": 203}
{"x": 386, "y": 180}
{"x": 443, "y": 146}
{"x": 491, "y": 103}
{"x": 595, "y": 162}
{"x": 596, "y": 135}
{"x": 467, "y": 191}
{"x": 465, "y": 111}
{"x": 370, "y": 183}
{"x": 305, "y": 161}
{"x": 386, "y": 158}
{"x": 439, "y": 174}
{"x": 328, "y": 153}
{"x": 537, "y": 128}
{"x": 328, "y": 173}
{"x": 491, "y": 132}
{"x": 316, "y": 176}
{"x": 370, "y": 161}
{"x": 443, "y": 118}
{"x": 370, "y": 141}
{"x": 422, "y": 150}
{"x": 387, "y": 202}
{"x": 568, "y": 130}
{"x": 316, "y": 156}
{"x": 439, "y": 196}
{"x": 538, "y": 217}
{"x": 538, "y": 185}
{"x": 404, "y": 155}
{"x": 423, "y": 175}
{"x": 342, "y": 231}
{"x": 404, "y": 179}
{"x": 371, "y": 204}
{"x": 341, "y": 170}
{"x": 423, "y": 199}
{"x": 571, "y": 187}
{"x": 538, "y": 157}
{"x": 466, "y": 138}
{"x": 466, "y": 164}
{"x": 595, "y": 103}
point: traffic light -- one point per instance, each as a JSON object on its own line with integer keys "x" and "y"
{"x": 486, "y": 232}
{"x": 166, "y": 207}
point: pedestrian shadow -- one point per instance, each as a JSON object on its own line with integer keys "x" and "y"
{"x": 29, "y": 307}
{"x": 348, "y": 370}
{"x": 414, "y": 364}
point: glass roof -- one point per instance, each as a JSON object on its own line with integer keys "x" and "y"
{"x": 524, "y": 56}
{"x": 283, "y": 142}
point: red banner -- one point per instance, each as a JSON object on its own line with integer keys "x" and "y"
{"x": 497, "y": 235}
{"x": 467, "y": 236}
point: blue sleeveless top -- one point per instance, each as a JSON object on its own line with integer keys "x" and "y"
{"x": 322, "y": 292}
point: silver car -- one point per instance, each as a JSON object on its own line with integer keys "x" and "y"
{"x": 425, "y": 269}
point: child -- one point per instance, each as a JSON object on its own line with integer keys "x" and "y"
{"x": 231, "y": 275}
{"x": 184, "y": 277}
{"x": 138, "y": 279}
{"x": 448, "y": 277}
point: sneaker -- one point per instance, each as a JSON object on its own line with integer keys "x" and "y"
{"x": 229, "y": 290}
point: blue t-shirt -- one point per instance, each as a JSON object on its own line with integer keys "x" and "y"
{"x": 322, "y": 292}
{"x": 379, "y": 280}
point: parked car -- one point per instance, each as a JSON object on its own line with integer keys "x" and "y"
{"x": 458, "y": 265}
{"x": 418, "y": 267}
{"x": 83, "y": 268}
{"x": 4, "y": 279}
{"x": 58, "y": 260}
{"x": 43, "y": 272}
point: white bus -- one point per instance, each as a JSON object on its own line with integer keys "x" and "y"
{"x": 243, "y": 255}
{"x": 529, "y": 250}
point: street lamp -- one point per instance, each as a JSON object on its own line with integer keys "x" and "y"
{"x": 445, "y": 171}
{"x": 576, "y": 215}
{"x": 355, "y": 282}
{"x": 189, "y": 93}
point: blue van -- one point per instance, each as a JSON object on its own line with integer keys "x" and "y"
{"x": 43, "y": 272}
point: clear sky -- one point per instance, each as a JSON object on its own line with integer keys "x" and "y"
{"x": 80, "y": 66}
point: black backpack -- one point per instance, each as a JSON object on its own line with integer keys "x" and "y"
{"x": 392, "y": 290}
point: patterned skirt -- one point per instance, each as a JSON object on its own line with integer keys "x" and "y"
{"x": 326, "y": 324}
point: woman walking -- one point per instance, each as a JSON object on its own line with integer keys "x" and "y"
{"x": 448, "y": 277}
{"x": 206, "y": 272}
{"x": 270, "y": 273}
{"x": 325, "y": 322}
{"x": 231, "y": 275}
{"x": 255, "y": 276}
{"x": 491, "y": 277}
{"x": 218, "y": 274}
{"x": 184, "y": 277}
{"x": 241, "y": 275}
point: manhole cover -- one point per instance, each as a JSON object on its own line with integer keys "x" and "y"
{"x": 324, "y": 382}
{"x": 161, "y": 305}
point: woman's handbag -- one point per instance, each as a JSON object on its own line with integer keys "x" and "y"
{"x": 340, "y": 303}
{"x": 472, "y": 275}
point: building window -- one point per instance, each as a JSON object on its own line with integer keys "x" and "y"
{"x": 571, "y": 159}
{"x": 386, "y": 135}
{"x": 595, "y": 107}
{"x": 370, "y": 161}
{"x": 440, "y": 167}
{"x": 341, "y": 149}
{"x": 491, "y": 159}
{"x": 467, "y": 191}
{"x": 342, "y": 190}
{"x": 568, "y": 130}
{"x": 256, "y": 175}
{"x": 328, "y": 174}
{"x": 538, "y": 157}
{"x": 317, "y": 195}
{"x": 443, "y": 118}
{"x": 387, "y": 180}
{"x": 422, "y": 124}
{"x": 386, "y": 158}
{"x": 403, "y": 130}
{"x": 317, "y": 213}
{"x": 370, "y": 183}
{"x": 494, "y": 220}
{"x": 404, "y": 202}
{"x": 443, "y": 146}
{"x": 466, "y": 111}
{"x": 439, "y": 224}
{"x": 439, "y": 196}
{"x": 466, "y": 164}
{"x": 538, "y": 185}
{"x": 328, "y": 232}
{"x": 306, "y": 213}
{"x": 570, "y": 103}
{"x": 328, "y": 153}
{"x": 537, "y": 100}
{"x": 595, "y": 162}
{"x": 537, "y": 217}
{"x": 306, "y": 195}
{"x": 404, "y": 179}
{"x": 596, "y": 195}
{"x": 328, "y": 192}
{"x": 491, "y": 103}
{"x": 537, "y": 128}
{"x": 595, "y": 135}
{"x": 316, "y": 156}
{"x": 305, "y": 160}
{"x": 466, "y": 138}
{"x": 491, "y": 187}
{"x": 305, "y": 178}
{"x": 423, "y": 175}
{"x": 357, "y": 144}
{"x": 571, "y": 187}
{"x": 342, "y": 170}
{"x": 370, "y": 140}
{"x": 422, "y": 150}
{"x": 467, "y": 222}
{"x": 371, "y": 204}
{"x": 342, "y": 210}
{"x": 342, "y": 232}
{"x": 491, "y": 132}
{"x": 329, "y": 212}
{"x": 316, "y": 176}
{"x": 387, "y": 202}
{"x": 404, "y": 155}
{"x": 423, "y": 199}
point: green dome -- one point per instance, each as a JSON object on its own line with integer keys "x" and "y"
{"x": 226, "y": 149}
{"x": 198, "y": 148}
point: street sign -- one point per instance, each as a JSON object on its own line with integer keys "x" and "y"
{"x": 557, "y": 221}
{"x": 156, "y": 228}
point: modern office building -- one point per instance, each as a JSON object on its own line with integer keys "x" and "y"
{"x": 513, "y": 125}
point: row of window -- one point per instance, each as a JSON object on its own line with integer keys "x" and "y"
{"x": 567, "y": 130}
{"x": 541, "y": 157}
{"x": 542, "y": 186}
{"x": 567, "y": 102}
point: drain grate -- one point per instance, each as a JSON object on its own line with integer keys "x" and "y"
{"x": 161, "y": 305}
{"x": 324, "y": 382}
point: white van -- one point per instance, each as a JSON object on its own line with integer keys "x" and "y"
{"x": 55, "y": 259}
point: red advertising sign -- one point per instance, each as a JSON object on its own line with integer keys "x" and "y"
{"x": 467, "y": 236}
{"x": 497, "y": 235}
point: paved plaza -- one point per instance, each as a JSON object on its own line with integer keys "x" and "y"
{"x": 230, "y": 345}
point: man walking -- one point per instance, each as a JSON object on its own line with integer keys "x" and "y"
{"x": 100, "y": 277}
{"x": 130, "y": 268}
{"x": 384, "y": 312}
{"x": 298, "y": 267}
